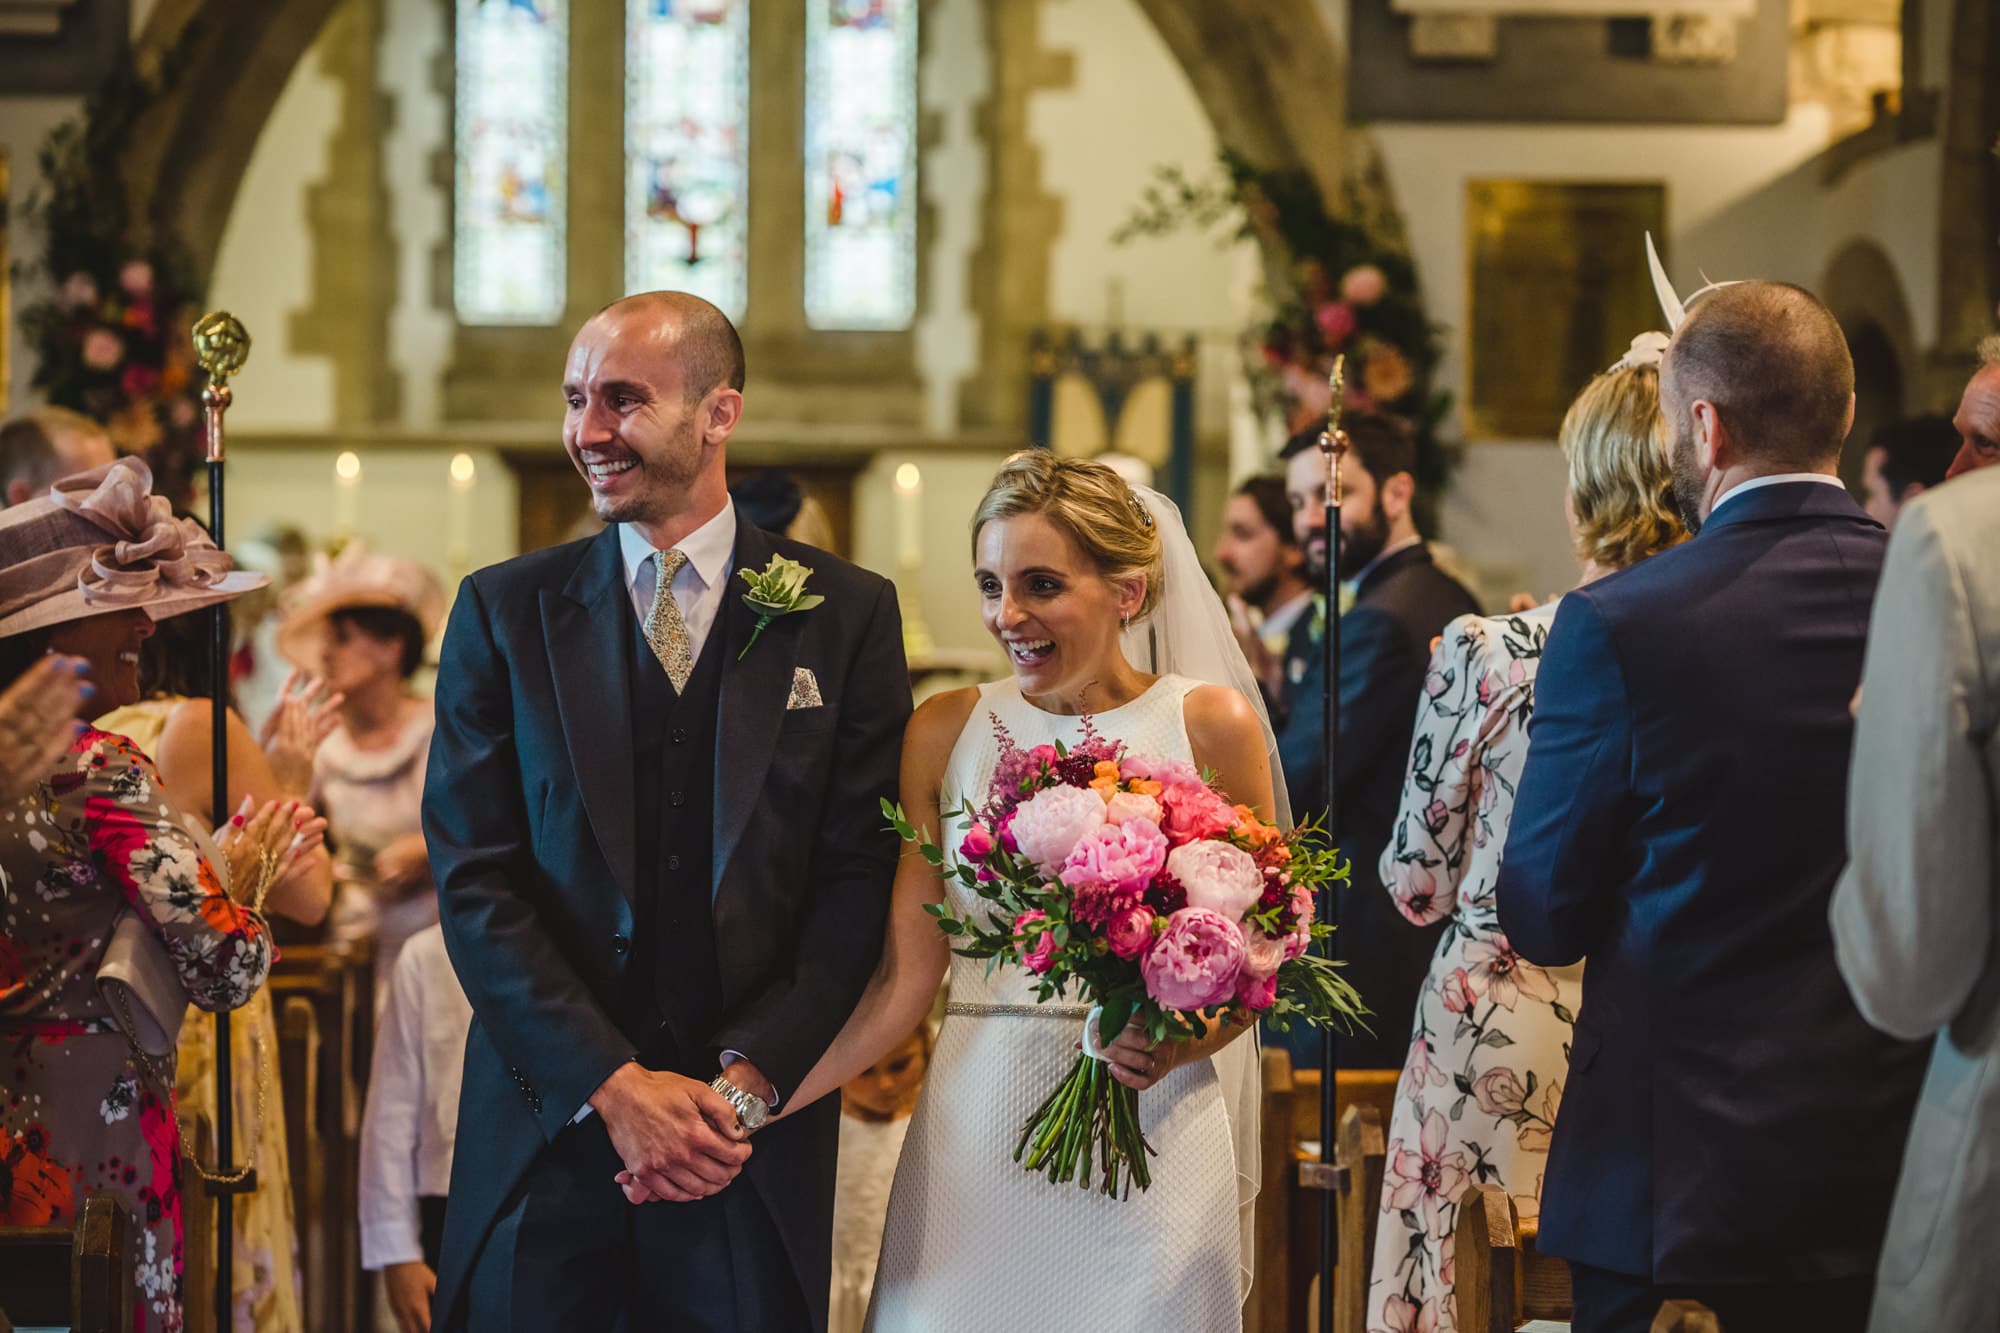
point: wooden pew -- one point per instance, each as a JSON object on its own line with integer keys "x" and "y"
{"x": 198, "y": 1225}
{"x": 325, "y": 999}
{"x": 80, "y": 1277}
{"x": 1504, "y": 1281}
{"x": 1287, "y": 1223}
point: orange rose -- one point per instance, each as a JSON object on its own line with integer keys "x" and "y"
{"x": 1146, "y": 787}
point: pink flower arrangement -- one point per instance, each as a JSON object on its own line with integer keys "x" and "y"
{"x": 1170, "y": 908}
{"x": 1363, "y": 285}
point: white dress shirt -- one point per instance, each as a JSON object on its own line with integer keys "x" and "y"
{"x": 698, "y": 588}
{"x": 1779, "y": 479}
{"x": 411, "y": 1120}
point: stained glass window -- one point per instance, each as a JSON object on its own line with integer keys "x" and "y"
{"x": 687, "y": 76}
{"x": 508, "y": 251}
{"x": 861, "y": 163}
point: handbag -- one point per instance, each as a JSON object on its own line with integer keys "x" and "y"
{"x": 140, "y": 988}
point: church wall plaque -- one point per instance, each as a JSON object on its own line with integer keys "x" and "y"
{"x": 1557, "y": 287}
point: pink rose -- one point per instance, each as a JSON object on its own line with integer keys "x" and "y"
{"x": 1363, "y": 285}
{"x": 1040, "y": 955}
{"x": 1195, "y": 813}
{"x": 1499, "y": 1092}
{"x": 1435, "y": 816}
{"x": 1336, "y": 322}
{"x": 1263, "y": 953}
{"x": 1130, "y": 932}
{"x": 1125, "y": 856}
{"x": 1459, "y": 996}
{"x": 102, "y": 349}
{"x": 1044, "y": 754}
{"x": 978, "y": 845}
{"x": 1301, "y": 938}
{"x": 1256, "y": 993}
{"x": 136, "y": 277}
{"x": 1194, "y": 962}
{"x": 1218, "y": 876}
{"x": 1048, "y": 825}
{"x": 1126, "y": 805}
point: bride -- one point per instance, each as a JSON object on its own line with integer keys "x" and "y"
{"x": 1077, "y": 577}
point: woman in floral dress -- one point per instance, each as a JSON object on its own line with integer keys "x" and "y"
{"x": 84, "y": 573}
{"x": 1489, "y": 1049}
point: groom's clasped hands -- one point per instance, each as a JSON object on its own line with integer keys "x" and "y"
{"x": 679, "y": 1139}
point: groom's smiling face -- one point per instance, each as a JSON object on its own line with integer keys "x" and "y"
{"x": 629, "y": 425}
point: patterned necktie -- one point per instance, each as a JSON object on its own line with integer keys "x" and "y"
{"x": 665, "y": 630}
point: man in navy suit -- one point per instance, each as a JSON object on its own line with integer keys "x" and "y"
{"x": 1401, "y": 602}
{"x": 1731, "y": 1127}
{"x": 655, "y": 824}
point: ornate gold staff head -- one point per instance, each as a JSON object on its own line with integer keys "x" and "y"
{"x": 221, "y": 345}
{"x": 1333, "y": 440}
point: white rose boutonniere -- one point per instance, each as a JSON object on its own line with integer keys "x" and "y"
{"x": 776, "y": 590}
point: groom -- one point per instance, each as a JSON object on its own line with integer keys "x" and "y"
{"x": 662, "y": 870}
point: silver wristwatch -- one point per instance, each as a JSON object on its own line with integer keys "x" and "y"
{"x": 751, "y": 1110}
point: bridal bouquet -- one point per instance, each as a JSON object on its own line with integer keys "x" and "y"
{"x": 1137, "y": 881}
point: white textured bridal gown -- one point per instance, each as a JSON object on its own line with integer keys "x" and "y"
{"x": 974, "y": 1242}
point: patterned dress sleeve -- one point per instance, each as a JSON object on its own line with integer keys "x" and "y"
{"x": 221, "y": 950}
{"x": 1424, "y": 862}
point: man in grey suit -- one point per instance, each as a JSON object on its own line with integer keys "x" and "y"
{"x": 1916, "y": 916}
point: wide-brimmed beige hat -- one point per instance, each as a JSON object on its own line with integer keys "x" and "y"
{"x": 356, "y": 577}
{"x": 101, "y": 541}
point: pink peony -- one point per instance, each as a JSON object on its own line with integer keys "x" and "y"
{"x": 1040, "y": 955}
{"x": 1196, "y": 812}
{"x": 1262, "y": 953}
{"x": 978, "y": 845}
{"x": 1363, "y": 285}
{"x": 1257, "y": 993}
{"x": 1126, "y": 805}
{"x": 1336, "y": 322}
{"x": 1130, "y": 932}
{"x": 1218, "y": 876}
{"x": 102, "y": 349}
{"x": 1194, "y": 962}
{"x": 1169, "y": 772}
{"x": 136, "y": 278}
{"x": 1048, "y": 825}
{"x": 1125, "y": 856}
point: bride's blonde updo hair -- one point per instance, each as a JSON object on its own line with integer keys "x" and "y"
{"x": 1087, "y": 501}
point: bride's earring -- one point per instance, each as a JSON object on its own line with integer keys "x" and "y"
{"x": 1125, "y": 622}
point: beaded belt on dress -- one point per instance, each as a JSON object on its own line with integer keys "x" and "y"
{"x": 1017, "y": 1010}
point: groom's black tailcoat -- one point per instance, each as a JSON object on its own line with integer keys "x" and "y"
{"x": 594, "y": 916}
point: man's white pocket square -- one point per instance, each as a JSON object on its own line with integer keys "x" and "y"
{"x": 805, "y": 691}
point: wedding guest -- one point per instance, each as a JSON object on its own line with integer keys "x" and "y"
{"x": 173, "y": 722}
{"x": 1905, "y": 459}
{"x": 81, "y": 442}
{"x": 1401, "y": 601}
{"x": 1728, "y": 1125}
{"x": 29, "y": 464}
{"x": 1263, "y": 576}
{"x": 362, "y": 624}
{"x": 98, "y": 840}
{"x": 1978, "y": 417}
{"x": 410, "y": 1125}
{"x": 1912, "y": 918}
{"x": 875, "y": 1107}
{"x": 1493, "y": 1031}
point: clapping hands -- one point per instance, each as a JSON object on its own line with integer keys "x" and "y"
{"x": 305, "y": 715}
{"x": 38, "y": 721}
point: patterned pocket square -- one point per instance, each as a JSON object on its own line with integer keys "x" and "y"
{"x": 805, "y": 691}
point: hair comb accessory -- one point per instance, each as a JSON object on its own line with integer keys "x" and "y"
{"x": 1673, "y": 306}
{"x": 1647, "y": 351}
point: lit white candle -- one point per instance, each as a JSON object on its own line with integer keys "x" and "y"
{"x": 910, "y": 514}
{"x": 346, "y": 493}
{"x": 464, "y": 476}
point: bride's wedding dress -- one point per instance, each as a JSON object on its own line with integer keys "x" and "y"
{"x": 973, "y": 1241}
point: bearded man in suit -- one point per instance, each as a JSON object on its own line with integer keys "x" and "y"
{"x": 652, "y": 811}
